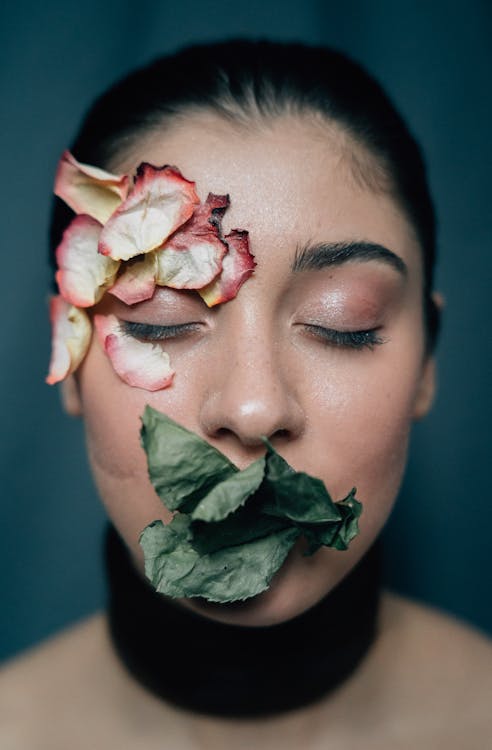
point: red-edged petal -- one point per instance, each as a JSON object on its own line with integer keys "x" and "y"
{"x": 71, "y": 336}
{"x": 212, "y": 210}
{"x": 237, "y": 266}
{"x": 84, "y": 274}
{"x": 89, "y": 190}
{"x": 192, "y": 257}
{"x": 203, "y": 224}
{"x": 137, "y": 282}
{"x": 161, "y": 200}
{"x": 139, "y": 364}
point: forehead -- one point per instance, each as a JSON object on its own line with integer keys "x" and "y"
{"x": 290, "y": 182}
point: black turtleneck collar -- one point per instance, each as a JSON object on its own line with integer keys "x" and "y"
{"x": 234, "y": 671}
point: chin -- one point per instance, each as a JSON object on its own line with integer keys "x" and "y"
{"x": 300, "y": 583}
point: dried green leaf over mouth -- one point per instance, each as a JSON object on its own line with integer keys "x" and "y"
{"x": 233, "y": 529}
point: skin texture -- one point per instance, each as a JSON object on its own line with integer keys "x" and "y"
{"x": 341, "y": 414}
{"x": 252, "y": 367}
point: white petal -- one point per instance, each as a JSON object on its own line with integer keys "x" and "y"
{"x": 137, "y": 282}
{"x": 71, "y": 336}
{"x": 159, "y": 203}
{"x": 84, "y": 274}
{"x": 192, "y": 268}
{"x": 237, "y": 266}
{"x": 89, "y": 190}
{"x": 139, "y": 364}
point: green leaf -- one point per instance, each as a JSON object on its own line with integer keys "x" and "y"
{"x": 340, "y": 534}
{"x": 243, "y": 526}
{"x": 303, "y": 499}
{"x": 181, "y": 465}
{"x": 277, "y": 467}
{"x": 351, "y": 510}
{"x": 297, "y": 495}
{"x": 234, "y": 528}
{"x": 168, "y": 543}
{"x": 231, "y": 494}
{"x": 231, "y": 574}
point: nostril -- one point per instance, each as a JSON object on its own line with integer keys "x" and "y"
{"x": 222, "y": 432}
{"x": 246, "y": 417}
{"x": 284, "y": 434}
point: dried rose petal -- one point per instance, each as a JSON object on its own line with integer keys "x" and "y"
{"x": 213, "y": 209}
{"x": 89, "y": 190}
{"x": 84, "y": 274}
{"x": 204, "y": 223}
{"x": 71, "y": 336}
{"x": 237, "y": 266}
{"x": 137, "y": 282}
{"x": 189, "y": 269}
{"x": 139, "y": 364}
{"x": 192, "y": 257}
{"x": 160, "y": 202}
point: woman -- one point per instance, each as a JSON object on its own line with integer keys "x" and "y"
{"x": 327, "y": 350}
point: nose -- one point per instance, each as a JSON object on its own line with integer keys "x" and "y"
{"x": 252, "y": 394}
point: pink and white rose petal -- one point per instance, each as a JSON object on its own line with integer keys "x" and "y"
{"x": 84, "y": 274}
{"x": 192, "y": 268}
{"x": 237, "y": 266}
{"x": 71, "y": 335}
{"x": 137, "y": 282}
{"x": 126, "y": 240}
{"x": 138, "y": 363}
{"x": 161, "y": 201}
{"x": 89, "y": 190}
{"x": 192, "y": 257}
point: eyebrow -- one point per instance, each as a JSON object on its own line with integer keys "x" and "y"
{"x": 314, "y": 257}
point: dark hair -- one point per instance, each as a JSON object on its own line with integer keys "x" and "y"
{"x": 241, "y": 80}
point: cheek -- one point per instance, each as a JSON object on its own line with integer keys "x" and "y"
{"x": 363, "y": 417}
{"x": 112, "y": 413}
{"x": 358, "y": 408}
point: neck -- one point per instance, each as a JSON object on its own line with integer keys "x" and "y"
{"x": 230, "y": 671}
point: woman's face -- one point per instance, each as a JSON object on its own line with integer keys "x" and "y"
{"x": 335, "y": 405}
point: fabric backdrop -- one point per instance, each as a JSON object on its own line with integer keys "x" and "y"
{"x": 435, "y": 60}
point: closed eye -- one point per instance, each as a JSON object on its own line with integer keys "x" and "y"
{"x": 151, "y": 332}
{"x": 342, "y": 339}
{"x": 346, "y": 339}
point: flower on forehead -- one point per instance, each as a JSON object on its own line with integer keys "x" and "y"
{"x": 127, "y": 239}
{"x": 83, "y": 273}
{"x": 89, "y": 190}
{"x": 161, "y": 201}
{"x": 238, "y": 264}
{"x": 190, "y": 259}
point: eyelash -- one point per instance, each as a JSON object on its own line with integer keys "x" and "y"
{"x": 342, "y": 339}
{"x": 150, "y": 332}
{"x": 347, "y": 339}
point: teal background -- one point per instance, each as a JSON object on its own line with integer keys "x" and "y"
{"x": 435, "y": 60}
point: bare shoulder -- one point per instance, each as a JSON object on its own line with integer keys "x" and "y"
{"x": 437, "y": 636}
{"x": 72, "y": 692}
{"x": 68, "y": 649}
{"x": 38, "y": 687}
{"x": 427, "y": 683}
{"x": 441, "y": 672}
{"x": 54, "y": 654}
